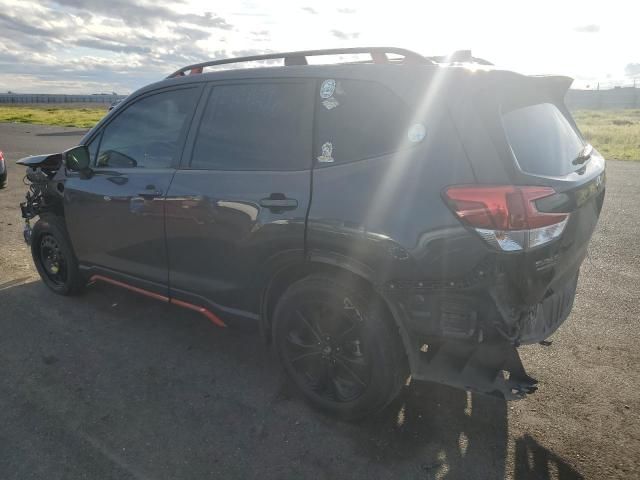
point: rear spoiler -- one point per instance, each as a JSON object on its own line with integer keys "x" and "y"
{"x": 513, "y": 90}
{"x": 535, "y": 89}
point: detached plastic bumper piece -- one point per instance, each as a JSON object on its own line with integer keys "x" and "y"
{"x": 26, "y": 232}
{"x": 491, "y": 369}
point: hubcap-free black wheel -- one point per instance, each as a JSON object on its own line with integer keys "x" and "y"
{"x": 53, "y": 256}
{"x": 324, "y": 347}
{"x": 53, "y": 260}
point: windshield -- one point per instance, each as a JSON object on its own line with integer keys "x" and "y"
{"x": 542, "y": 139}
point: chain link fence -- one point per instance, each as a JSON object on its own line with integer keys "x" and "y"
{"x": 614, "y": 98}
{"x": 27, "y": 98}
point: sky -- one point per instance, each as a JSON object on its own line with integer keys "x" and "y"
{"x": 104, "y": 46}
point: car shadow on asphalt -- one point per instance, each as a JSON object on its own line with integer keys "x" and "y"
{"x": 125, "y": 367}
{"x": 457, "y": 434}
{"x": 533, "y": 461}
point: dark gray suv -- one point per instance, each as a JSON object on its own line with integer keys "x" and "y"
{"x": 376, "y": 219}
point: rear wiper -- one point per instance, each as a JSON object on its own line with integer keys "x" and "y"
{"x": 584, "y": 155}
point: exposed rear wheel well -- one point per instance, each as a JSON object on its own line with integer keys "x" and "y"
{"x": 338, "y": 346}
{"x": 289, "y": 275}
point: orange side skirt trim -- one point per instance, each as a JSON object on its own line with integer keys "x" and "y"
{"x": 202, "y": 310}
{"x": 207, "y": 313}
{"x": 117, "y": 283}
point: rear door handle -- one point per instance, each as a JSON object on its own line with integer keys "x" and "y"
{"x": 279, "y": 202}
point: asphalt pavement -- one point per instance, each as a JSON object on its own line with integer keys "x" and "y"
{"x": 111, "y": 385}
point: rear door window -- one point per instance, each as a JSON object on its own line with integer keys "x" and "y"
{"x": 358, "y": 119}
{"x": 256, "y": 126}
{"x": 542, "y": 139}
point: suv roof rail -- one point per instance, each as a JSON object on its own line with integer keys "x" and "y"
{"x": 378, "y": 55}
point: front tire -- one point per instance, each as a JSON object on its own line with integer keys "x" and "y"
{"x": 54, "y": 258}
{"x": 339, "y": 346}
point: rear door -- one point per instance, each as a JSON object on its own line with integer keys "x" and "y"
{"x": 115, "y": 216}
{"x": 236, "y": 208}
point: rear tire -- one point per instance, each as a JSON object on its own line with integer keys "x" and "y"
{"x": 54, "y": 258}
{"x": 339, "y": 346}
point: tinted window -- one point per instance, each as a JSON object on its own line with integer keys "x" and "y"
{"x": 263, "y": 126}
{"x": 357, "y": 120}
{"x": 148, "y": 134}
{"x": 93, "y": 147}
{"x": 542, "y": 139}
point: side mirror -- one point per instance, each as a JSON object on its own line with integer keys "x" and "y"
{"x": 77, "y": 158}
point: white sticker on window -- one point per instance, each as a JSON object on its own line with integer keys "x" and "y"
{"x": 327, "y": 153}
{"x": 416, "y": 132}
{"x": 327, "y": 88}
{"x": 330, "y": 103}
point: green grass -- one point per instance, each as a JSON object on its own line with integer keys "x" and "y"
{"x": 614, "y": 133}
{"x": 64, "y": 116}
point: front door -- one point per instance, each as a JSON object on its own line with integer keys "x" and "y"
{"x": 238, "y": 205}
{"x": 115, "y": 215}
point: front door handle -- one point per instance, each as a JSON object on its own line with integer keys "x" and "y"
{"x": 150, "y": 192}
{"x": 277, "y": 201}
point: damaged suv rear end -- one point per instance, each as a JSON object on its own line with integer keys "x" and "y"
{"x": 524, "y": 197}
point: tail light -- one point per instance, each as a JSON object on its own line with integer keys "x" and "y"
{"x": 506, "y": 216}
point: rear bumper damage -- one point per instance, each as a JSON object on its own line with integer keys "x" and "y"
{"x": 469, "y": 337}
{"x": 528, "y": 324}
{"x": 491, "y": 369}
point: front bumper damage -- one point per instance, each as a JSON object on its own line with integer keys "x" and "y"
{"x": 27, "y": 232}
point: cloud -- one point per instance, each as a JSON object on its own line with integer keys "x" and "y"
{"x": 591, "y": 28}
{"x": 310, "y": 10}
{"x": 116, "y": 45}
{"x": 347, "y": 10}
{"x": 260, "y": 36}
{"x": 144, "y": 14}
{"x": 14, "y": 24}
{"x": 344, "y": 35}
{"x": 632, "y": 70}
{"x": 249, "y": 52}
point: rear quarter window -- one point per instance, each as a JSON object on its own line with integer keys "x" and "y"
{"x": 358, "y": 119}
{"x": 543, "y": 140}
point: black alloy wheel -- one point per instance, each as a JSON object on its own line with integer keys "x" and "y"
{"x": 339, "y": 345}
{"x": 325, "y": 348}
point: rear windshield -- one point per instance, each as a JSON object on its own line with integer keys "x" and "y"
{"x": 542, "y": 139}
